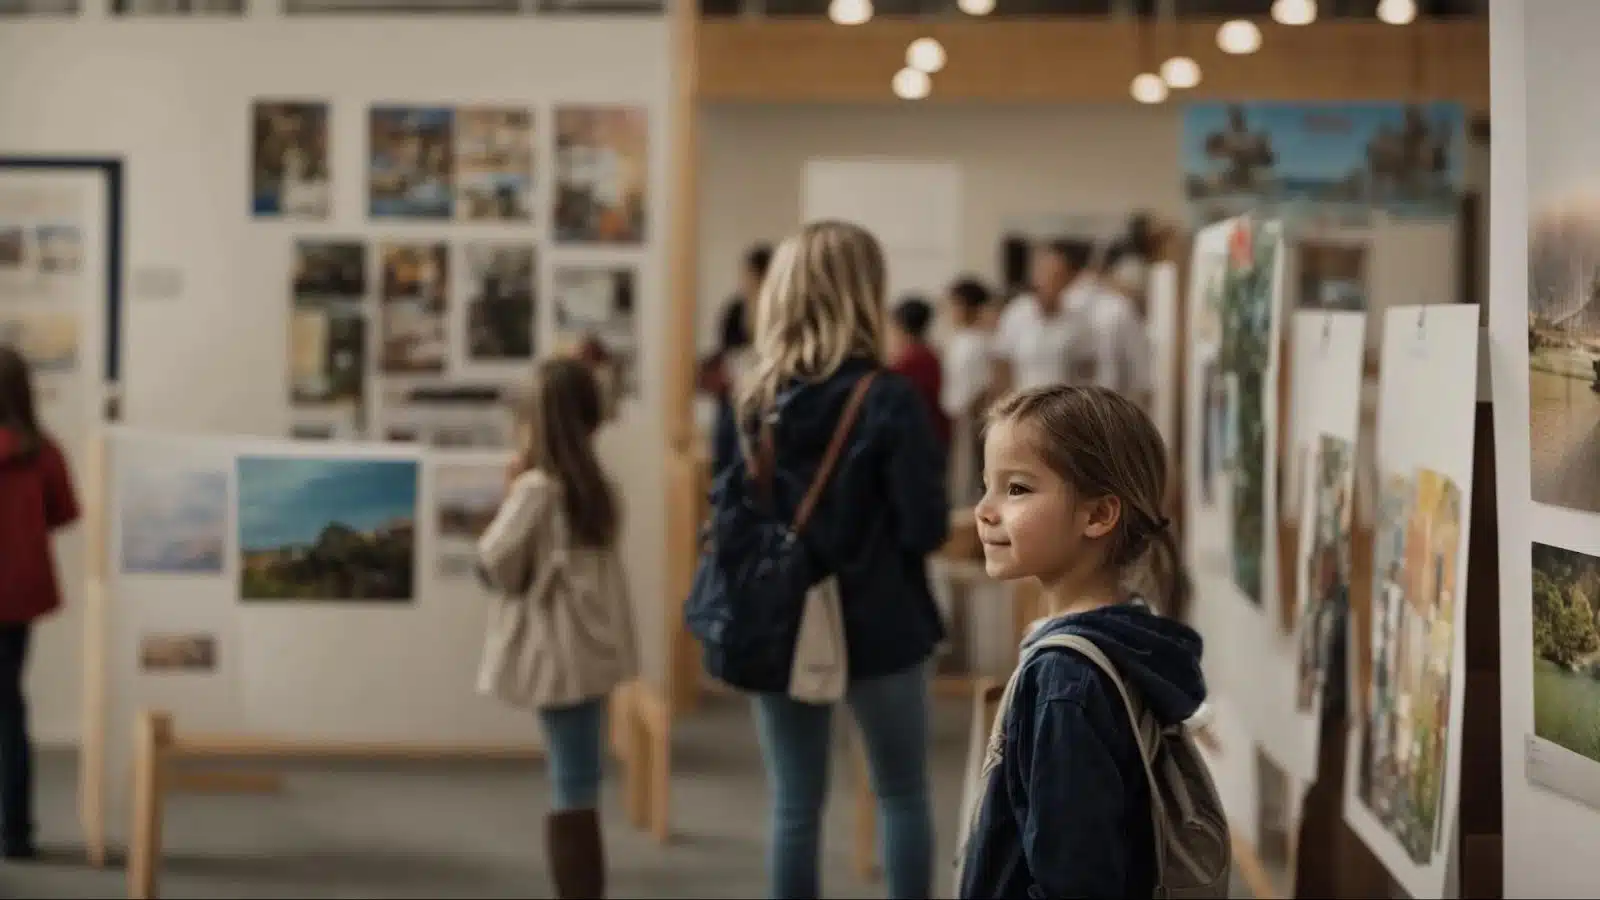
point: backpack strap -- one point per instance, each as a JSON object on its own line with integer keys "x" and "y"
{"x": 847, "y": 420}
{"x": 1092, "y": 652}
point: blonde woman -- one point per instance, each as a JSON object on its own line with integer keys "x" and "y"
{"x": 818, "y": 331}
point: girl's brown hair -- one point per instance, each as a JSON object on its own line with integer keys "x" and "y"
{"x": 557, "y": 421}
{"x": 16, "y": 401}
{"x": 1102, "y": 443}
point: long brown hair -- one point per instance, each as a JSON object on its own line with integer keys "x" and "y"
{"x": 1102, "y": 443}
{"x": 820, "y": 304}
{"x": 16, "y": 401}
{"x": 557, "y": 421}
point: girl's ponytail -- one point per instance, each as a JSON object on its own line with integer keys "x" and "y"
{"x": 1172, "y": 577}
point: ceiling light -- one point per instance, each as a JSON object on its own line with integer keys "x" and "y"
{"x": 1398, "y": 12}
{"x": 1180, "y": 72}
{"x": 1149, "y": 88}
{"x": 911, "y": 84}
{"x": 925, "y": 55}
{"x": 1238, "y": 37}
{"x": 976, "y": 7}
{"x": 850, "y": 12}
{"x": 1294, "y": 12}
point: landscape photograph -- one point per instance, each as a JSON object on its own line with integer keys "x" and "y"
{"x": 500, "y": 303}
{"x": 1566, "y": 649}
{"x": 173, "y": 517}
{"x": 1325, "y": 582}
{"x": 1564, "y": 352}
{"x": 466, "y": 497}
{"x": 178, "y": 653}
{"x": 1402, "y": 772}
{"x": 327, "y": 529}
{"x": 414, "y": 303}
{"x": 494, "y": 164}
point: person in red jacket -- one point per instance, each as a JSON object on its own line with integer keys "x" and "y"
{"x": 36, "y": 498}
{"x": 913, "y": 358}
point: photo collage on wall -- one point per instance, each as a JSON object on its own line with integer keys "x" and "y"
{"x": 419, "y": 332}
{"x": 1404, "y": 744}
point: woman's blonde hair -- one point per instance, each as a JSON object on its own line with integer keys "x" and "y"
{"x": 820, "y": 304}
{"x": 556, "y": 424}
{"x": 1102, "y": 443}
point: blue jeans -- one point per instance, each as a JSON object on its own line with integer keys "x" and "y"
{"x": 574, "y": 739}
{"x": 892, "y": 711}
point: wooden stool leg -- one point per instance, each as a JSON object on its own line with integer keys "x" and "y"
{"x": 152, "y": 736}
{"x": 866, "y": 839}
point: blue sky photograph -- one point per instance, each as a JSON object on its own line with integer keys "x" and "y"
{"x": 174, "y": 518}
{"x": 286, "y": 501}
{"x": 1321, "y": 141}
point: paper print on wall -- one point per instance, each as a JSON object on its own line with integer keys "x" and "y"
{"x": 500, "y": 302}
{"x": 177, "y": 653}
{"x": 494, "y": 164}
{"x": 1325, "y": 566}
{"x": 446, "y": 415}
{"x": 594, "y": 318}
{"x": 47, "y": 340}
{"x": 416, "y": 279}
{"x": 328, "y": 332}
{"x": 173, "y": 517}
{"x": 602, "y": 174}
{"x": 1566, "y": 671}
{"x": 39, "y": 258}
{"x": 467, "y": 496}
{"x": 1564, "y": 350}
{"x": 412, "y": 162}
{"x": 1236, "y": 387}
{"x": 1339, "y": 160}
{"x": 290, "y": 173}
{"x": 1333, "y": 275}
{"x": 327, "y": 529}
{"x": 1402, "y": 783}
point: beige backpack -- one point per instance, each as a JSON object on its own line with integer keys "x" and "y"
{"x": 1193, "y": 847}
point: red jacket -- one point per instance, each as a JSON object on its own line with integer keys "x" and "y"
{"x": 921, "y": 365}
{"x": 36, "y": 498}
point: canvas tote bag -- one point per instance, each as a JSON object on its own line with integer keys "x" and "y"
{"x": 820, "y": 672}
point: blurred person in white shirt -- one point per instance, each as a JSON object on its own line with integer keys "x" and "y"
{"x": 1111, "y": 348}
{"x": 1032, "y": 343}
{"x": 966, "y": 390}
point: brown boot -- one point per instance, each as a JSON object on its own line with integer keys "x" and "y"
{"x": 576, "y": 853}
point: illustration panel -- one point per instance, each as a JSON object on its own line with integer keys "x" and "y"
{"x": 290, "y": 173}
{"x": 494, "y": 164}
{"x": 411, "y": 168}
{"x": 602, "y": 174}
{"x": 413, "y": 324}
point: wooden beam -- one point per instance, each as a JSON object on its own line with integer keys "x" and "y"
{"x": 1090, "y": 60}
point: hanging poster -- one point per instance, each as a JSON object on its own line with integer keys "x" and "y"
{"x": 173, "y": 515}
{"x": 1404, "y": 752}
{"x": 602, "y": 174}
{"x": 494, "y": 164}
{"x": 290, "y": 174}
{"x": 467, "y": 494}
{"x": 594, "y": 310}
{"x": 411, "y": 164}
{"x": 499, "y": 279}
{"x": 328, "y": 338}
{"x": 445, "y": 414}
{"x": 1333, "y": 161}
{"x": 1328, "y": 350}
{"x": 413, "y": 306}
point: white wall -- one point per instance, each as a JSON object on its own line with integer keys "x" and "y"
{"x": 1540, "y": 64}
{"x": 173, "y": 99}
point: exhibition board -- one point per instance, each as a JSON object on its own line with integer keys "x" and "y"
{"x": 1407, "y": 678}
{"x": 553, "y": 173}
{"x": 1545, "y": 343}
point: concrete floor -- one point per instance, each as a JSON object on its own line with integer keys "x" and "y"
{"x": 471, "y": 831}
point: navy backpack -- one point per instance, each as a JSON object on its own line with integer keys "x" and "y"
{"x": 749, "y": 591}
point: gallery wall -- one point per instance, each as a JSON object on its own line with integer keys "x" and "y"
{"x": 1017, "y": 162}
{"x": 1545, "y": 451}
{"x": 206, "y": 322}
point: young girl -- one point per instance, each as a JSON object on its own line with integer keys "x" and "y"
{"x": 818, "y": 333}
{"x": 562, "y": 636}
{"x": 1073, "y": 481}
{"x": 36, "y": 498}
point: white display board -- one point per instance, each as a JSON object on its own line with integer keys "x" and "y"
{"x": 1231, "y": 411}
{"x": 54, "y": 290}
{"x": 1404, "y": 747}
{"x": 1161, "y": 317}
{"x": 1544, "y": 201}
{"x": 912, "y": 207}
{"x": 1328, "y": 348}
{"x": 300, "y": 591}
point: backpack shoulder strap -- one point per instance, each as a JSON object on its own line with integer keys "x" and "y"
{"x": 1092, "y": 652}
{"x": 847, "y": 420}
